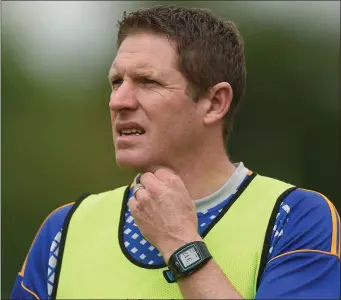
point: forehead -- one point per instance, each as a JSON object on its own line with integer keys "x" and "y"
{"x": 146, "y": 52}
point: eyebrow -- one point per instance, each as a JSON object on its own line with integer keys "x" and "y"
{"x": 144, "y": 69}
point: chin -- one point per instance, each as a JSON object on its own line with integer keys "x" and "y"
{"x": 132, "y": 161}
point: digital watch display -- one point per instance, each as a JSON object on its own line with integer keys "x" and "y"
{"x": 188, "y": 259}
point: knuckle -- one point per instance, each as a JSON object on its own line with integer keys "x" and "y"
{"x": 167, "y": 176}
{"x": 172, "y": 179}
{"x": 163, "y": 172}
{"x": 146, "y": 178}
{"x": 160, "y": 172}
{"x": 142, "y": 196}
{"x": 146, "y": 175}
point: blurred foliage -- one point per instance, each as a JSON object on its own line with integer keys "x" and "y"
{"x": 57, "y": 144}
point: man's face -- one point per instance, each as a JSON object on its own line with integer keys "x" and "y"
{"x": 154, "y": 120}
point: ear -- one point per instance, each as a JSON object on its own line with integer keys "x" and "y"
{"x": 220, "y": 99}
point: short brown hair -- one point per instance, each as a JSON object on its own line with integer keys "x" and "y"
{"x": 210, "y": 49}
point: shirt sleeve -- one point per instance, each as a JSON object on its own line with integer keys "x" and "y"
{"x": 37, "y": 273}
{"x": 304, "y": 256}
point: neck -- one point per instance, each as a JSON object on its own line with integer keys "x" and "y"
{"x": 207, "y": 174}
{"x": 204, "y": 171}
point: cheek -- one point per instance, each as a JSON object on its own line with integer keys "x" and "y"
{"x": 178, "y": 126}
{"x": 158, "y": 107}
{"x": 170, "y": 114}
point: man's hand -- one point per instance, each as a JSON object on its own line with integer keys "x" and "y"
{"x": 164, "y": 212}
{"x": 166, "y": 216}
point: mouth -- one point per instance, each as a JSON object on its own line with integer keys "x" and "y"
{"x": 127, "y": 138}
{"x": 131, "y": 132}
{"x": 128, "y": 133}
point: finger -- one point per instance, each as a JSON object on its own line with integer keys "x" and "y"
{"x": 137, "y": 187}
{"x": 167, "y": 176}
{"x": 141, "y": 194}
{"x": 132, "y": 202}
{"x": 165, "y": 171}
{"x": 138, "y": 203}
{"x": 149, "y": 181}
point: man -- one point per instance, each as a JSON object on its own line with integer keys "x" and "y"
{"x": 193, "y": 224}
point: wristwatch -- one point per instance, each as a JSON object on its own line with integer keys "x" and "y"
{"x": 188, "y": 259}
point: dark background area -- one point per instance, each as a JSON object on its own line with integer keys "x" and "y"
{"x": 55, "y": 124}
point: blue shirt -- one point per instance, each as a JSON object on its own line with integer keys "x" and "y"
{"x": 303, "y": 260}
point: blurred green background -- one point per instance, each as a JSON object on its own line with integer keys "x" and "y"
{"x": 56, "y": 134}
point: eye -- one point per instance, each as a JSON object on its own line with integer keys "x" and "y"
{"x": 147, "y": 81}
{"x": 116, "y": 83}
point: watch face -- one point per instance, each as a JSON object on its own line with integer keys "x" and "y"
{"x": 189, "y": 256}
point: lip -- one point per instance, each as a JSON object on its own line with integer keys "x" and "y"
{"x": 125, "y": 141}
{"x": 127, "y": 126}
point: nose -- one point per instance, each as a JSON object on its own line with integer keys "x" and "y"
{"x": 123, "y": 98}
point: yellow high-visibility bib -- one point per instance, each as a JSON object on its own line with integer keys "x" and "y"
{"x": 92, "y": 265}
